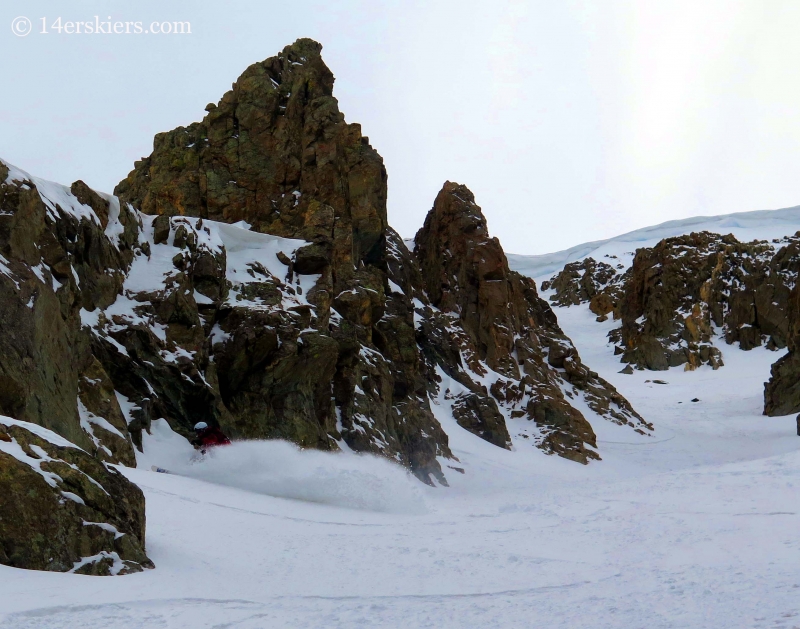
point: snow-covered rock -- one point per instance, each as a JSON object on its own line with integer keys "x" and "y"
{"x": 63, "y": 510}
{"x": 678, "y": 298}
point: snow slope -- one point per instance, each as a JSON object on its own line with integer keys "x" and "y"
{"x": 696, "y": 527}
{"x": 746, "y": 226}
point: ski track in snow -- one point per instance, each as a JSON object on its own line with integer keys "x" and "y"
{"x": 694, "y": 527}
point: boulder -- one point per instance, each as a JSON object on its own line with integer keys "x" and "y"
{"x": 63, "y": 510}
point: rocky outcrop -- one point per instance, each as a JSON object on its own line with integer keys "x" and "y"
{"x": 212, "y": 325}
{"x": 345, "y": 343}
{"x": 488, "y": 330}
{"x": 63, "y": 510}
{"x": 597, "y": 283}
{"x": 680, "y": 294}
{"x": 276, "y": 153}
{"x": 57, "y": 261}
{"x": 782, "y": 392}
{"x": 334, "y": 364}
{"x": 246, "y": 276}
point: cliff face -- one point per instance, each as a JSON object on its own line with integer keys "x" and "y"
{"x": 59, "y": 257}
{"x": 487, "y": 328}
{"x": 250, "y": 280}
{"x": 680, "y": 296}
{"x": 276, "y": 153}
{"x": 63, "y": 510}
{"x": 782, "y": 392}
{"x": 63, "y": 253}
{"x": 246, "y": 276}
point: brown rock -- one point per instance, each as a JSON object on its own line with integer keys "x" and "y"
{"x": 62, "y": 510}
{"x": 89, "y": 197}
{"x": 677, "y": 293}
{"x": 491, "y": 317}
{"x": 58, "y": 264}
{"x": 277, "y": 153}
{"x": 601, "y": 304}
{"x": 585, "y": 281}
{"x": 782, "y": 392}
{"x": 345, "y": 343}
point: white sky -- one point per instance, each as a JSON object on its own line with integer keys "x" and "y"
{"x": 569, "y": 120}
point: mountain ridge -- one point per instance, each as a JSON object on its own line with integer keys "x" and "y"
{"x": 773, "y": 223}
{"x": 245, "y": 275}
{"x": 687, "y": 283}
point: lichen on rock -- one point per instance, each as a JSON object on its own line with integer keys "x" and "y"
{"x": 678, "y": 296}
{"x": 246, "y": 276}
{"x": 488, "y": 329}
{"x": 63, "y": 510}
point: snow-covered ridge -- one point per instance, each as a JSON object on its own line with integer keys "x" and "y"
{"x": 745, "y": 226}
{"x": 39, "y": 431}
{"x": 53, "y": 194}
{"x": 243, "y": 248}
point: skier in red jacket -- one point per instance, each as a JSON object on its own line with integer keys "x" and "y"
{"x": 208, "y": 437}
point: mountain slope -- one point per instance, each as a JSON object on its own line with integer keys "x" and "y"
{"x": 637, "y": 541}
{"x": 276, "y": 153}
{"x": 745, "y": 226}
{"x": 681, "y": 291}
{"x": 245, "y": 275}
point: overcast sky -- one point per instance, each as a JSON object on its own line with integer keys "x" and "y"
{"x": 569, "y": 120}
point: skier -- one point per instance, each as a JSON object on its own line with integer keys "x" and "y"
{"x": 208, "y": 437}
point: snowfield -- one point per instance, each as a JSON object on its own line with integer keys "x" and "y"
{"x": 695, "y": 527}
{"x": 745, "y": 226}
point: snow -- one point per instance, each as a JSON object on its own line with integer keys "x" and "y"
{"x": 202, "y": 299}
{"x": 115, "y": 569}
{"x": 245, "y": 247}
{"x": 115, "y": 228}
{"x": 15, "y": 450}
{"x": 218, "y": 335}
{"x": 126, "y": 406}
{"x": 90, "y": 418}
{"x": 162, "y": 446}
{"x": 39, "y": 431}
{"x": 694, "y": 527}
{"x": 246, "y": 250}
{"x": 746, "y": 226}
{"x": 396, "y": 288}
{"x": 53, "y": 194}
{"x": 74, "y": 497}
{"x": 106, "y": 527}
{"x": 7, "y": 271}
{"x": 248, "y": 257}
{"x": 282, "y": 470}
